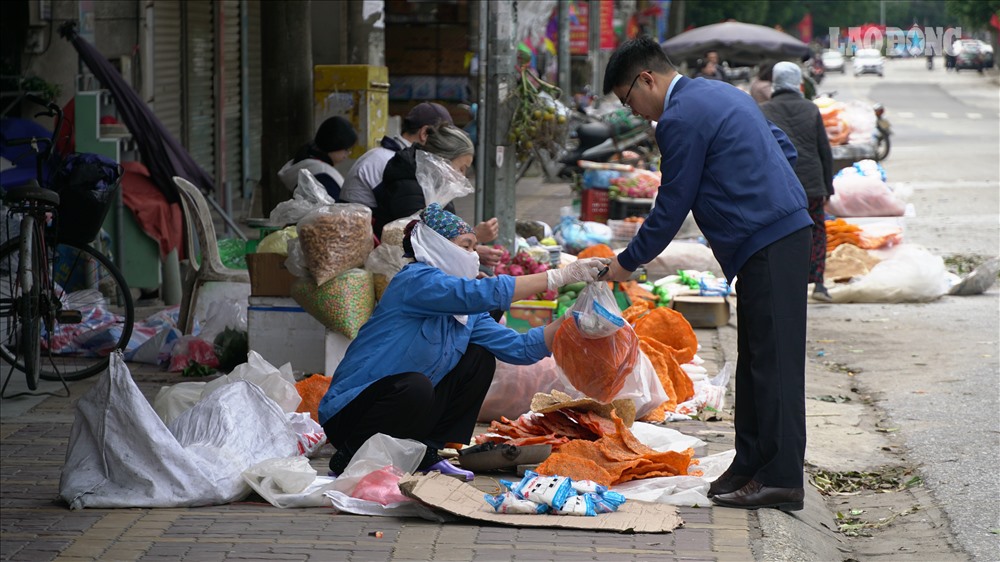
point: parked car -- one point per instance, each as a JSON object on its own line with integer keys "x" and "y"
{"x": 833, "y": 61}
{"x": 869, "y": 61}
{"x": 987, "y": 50}
{"x": 968, "y": 56}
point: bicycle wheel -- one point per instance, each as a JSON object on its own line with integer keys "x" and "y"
{"x": 29, "y": 317}
{"x": 88, "y": 313}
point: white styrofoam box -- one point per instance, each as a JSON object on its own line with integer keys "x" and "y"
{"x": 336, "y": 347}
{"x": 282, "y": 332}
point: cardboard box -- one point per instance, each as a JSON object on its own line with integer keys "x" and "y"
{"x": 268, "y": 276}
{"x": 465, "y": 500}
{"x": 282, "y": 332}
{"x": 702, "y": 312}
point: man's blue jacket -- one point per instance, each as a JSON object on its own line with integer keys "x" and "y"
{"x": 733, "y": 169}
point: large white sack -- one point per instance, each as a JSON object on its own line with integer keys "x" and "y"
{"x": 122, "y": 455}
{"x": 911, "y": 274}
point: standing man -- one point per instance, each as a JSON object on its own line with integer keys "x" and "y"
{"x": 366, "y": 173}
{"x": 799, "y": 118}
{"x": 725, "y": 163}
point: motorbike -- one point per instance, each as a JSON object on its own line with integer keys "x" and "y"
{"x": 614, "y": 137}
{"x": 882, "y": 132}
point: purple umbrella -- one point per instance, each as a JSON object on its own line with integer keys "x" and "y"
{"x": 738, "y": 43}
{"x": 161, "y": 153}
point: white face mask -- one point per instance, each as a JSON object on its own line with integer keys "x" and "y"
{"x": 435, "y": 250}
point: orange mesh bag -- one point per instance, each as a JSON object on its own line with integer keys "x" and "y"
{"x": 597, "y": 367}
{"x": 597, "y": 251}
{"x": 668, "y": 326}
{"x": 312, "y": 389}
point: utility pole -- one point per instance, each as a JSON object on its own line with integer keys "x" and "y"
{"x": 563, "y": 51}
{"x": 594, "y": 44}
{"x": 286, "y": 91}
{"x": 498, "y": 156}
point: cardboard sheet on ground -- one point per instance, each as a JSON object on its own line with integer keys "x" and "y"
{"x": 451, "y": 495}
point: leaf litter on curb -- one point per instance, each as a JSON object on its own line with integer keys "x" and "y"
{"x": 852, "y": 525}
{"x": 891, "y": 479}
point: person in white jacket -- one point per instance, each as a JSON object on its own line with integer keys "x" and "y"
{"x": 331, "y": 145}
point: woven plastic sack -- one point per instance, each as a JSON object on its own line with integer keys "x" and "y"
{"x": 334, "y": 239}
{"x": 384, "y": 263}
{"x": 597, "y": 367}
{"x": 342, "y": 304}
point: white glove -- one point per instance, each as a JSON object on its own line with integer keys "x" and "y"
{"x": 586, "y": 269}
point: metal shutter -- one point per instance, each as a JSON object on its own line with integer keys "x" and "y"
{"x": 167, "y": 99}
{"x": 199, "y": 102}
{"x": 231, "y": 93}
{"x": 254, "y": 68}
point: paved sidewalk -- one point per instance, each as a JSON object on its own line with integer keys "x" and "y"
{"x": 37, "y": 525}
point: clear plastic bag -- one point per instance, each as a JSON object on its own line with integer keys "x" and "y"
{"x": 597, "y": 367}
{"x": 514, "y": 386}
{"x": 911, "y": 275}
{"x": 378, "y": 452}
{"x": 596, "y": 311}
{"x": 384, "y": 263}
{"x": 334, "y": 239}
{"x": 381, "y": 486}
{"x": 440, "y": 182}
{"x": 277, "y": 242}
{"x": 576, "y": 236}
{"x": 308, "y": 196}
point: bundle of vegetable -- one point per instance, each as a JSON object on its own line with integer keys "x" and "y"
{"x": 640, "y": 184}
{"x": 540, "y": 119}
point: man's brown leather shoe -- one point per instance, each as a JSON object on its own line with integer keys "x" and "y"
{"x": 727, "y": 483}
{"x": 755, "y": 495}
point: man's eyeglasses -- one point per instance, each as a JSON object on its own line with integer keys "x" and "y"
{"x": 629, "y": 92}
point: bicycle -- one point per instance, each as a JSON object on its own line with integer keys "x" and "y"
{"x": 64, "y": 306}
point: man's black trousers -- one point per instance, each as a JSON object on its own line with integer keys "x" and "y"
{"x": 770, "y": 370}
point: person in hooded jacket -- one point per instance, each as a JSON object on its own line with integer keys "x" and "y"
{"x": 800, "y": 119}
{"x": 330, "y": 146}
{"x": 422, "y": 364}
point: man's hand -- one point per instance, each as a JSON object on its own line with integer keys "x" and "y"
{"x": 616, "y": 272}
{"x": 488, "y": 256}
{"x": 487, "y": 231}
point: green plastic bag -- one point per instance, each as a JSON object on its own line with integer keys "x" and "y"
{"x": 233, "y": 252}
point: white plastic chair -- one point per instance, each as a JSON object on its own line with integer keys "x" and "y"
{"x": 198, "y": 221}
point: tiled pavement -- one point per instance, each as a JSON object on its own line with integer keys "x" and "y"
{"x": 36, "y": 525}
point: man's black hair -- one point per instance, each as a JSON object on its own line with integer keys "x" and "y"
{"x": 632, "y": 57}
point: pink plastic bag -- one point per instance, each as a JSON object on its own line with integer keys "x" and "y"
{"x": 381, "y": 486}
{"x": 192, "y": 348}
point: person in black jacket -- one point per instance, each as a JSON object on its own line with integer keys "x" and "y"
{"x": 400, "y": 195}
{"x": 799, "y": 118}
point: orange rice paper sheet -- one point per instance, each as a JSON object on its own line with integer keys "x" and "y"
{"x": 577, "y": 468}
{"x": 662, "y": 368}
{"x": 597, "y": 367}
{"x": 669, "y": 327}
{"x": 636, "y": 311}
{"x": 312, "y": 389}
{"x": 666, "y": 463}
{"x": 594, "y": 452}
{"x": 680, "y": 381}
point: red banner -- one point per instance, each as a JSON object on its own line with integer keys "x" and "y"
{"x": 579, "y": 26}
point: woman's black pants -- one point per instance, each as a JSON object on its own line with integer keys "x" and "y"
{"x": 407, "y": 406}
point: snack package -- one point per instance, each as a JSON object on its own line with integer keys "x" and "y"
{"x": 552, "y": 491}
{"x": 581, "y": 506}
{"x": 334, "y": 239}
{"x": 606, "y": 502}
{"x": 508, "y": 502}
{"x": 588, "y": 486}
